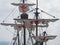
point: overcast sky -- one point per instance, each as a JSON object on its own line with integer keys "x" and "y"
{"x": 50, "y": 6}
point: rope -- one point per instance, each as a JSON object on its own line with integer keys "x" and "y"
{"x": 47, "y": 13}
{"x": 30, "y": 37}
{"x": 10, "y": 31}
{"x": 13, "y": 34}
{"x": 10, "y": 43}
{"x": 9, "y": 14}
{"x": 44, "y": 12}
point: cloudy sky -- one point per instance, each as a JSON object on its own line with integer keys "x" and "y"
{"x": 50, "y": 6}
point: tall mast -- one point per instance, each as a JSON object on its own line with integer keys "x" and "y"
{"x": 36, "y": 14}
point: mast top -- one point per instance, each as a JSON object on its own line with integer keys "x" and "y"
{"x": 23, "y": 1}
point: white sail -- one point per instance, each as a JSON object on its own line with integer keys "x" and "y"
{"x": 42, "y": 22}
{"x": 44, "y": 38}
{"x": 18, "y": 4}
{"x": 47, "y": 20}
{"x": 16, "y": 26}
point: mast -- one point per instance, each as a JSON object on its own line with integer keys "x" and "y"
{"x": 18, "y": 37}
{"x": 36, "y": 14}
{"x": 24, "y": 34}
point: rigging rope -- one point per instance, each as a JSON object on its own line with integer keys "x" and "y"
{"x": 10, "y": 43}
{"x": 10, "y": 31}
{"x": 47, "y": 13}
{"x": 43, "y": 12}
{"x": 9, "y": 14}
{"x": 30, "y": 37}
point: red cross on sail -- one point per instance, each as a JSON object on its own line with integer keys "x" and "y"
{"x": 44, "y": 38}
{"x": 23, "y": 7}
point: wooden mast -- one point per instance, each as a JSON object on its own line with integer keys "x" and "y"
{"x": 36, "y": 14}
{"x": 24, "y": 33}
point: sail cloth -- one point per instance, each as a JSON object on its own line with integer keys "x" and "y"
{"x": 23, "y": 7}
{"x": 29, "y": 23}
{"x": 47, "y": 20}
{"x": 19, "y": 26}
{"x": 44, "y": 38}
{"x": 15, "y": 26}
{"x": 44, "y": 22}
{"x": 18, "y": 4}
